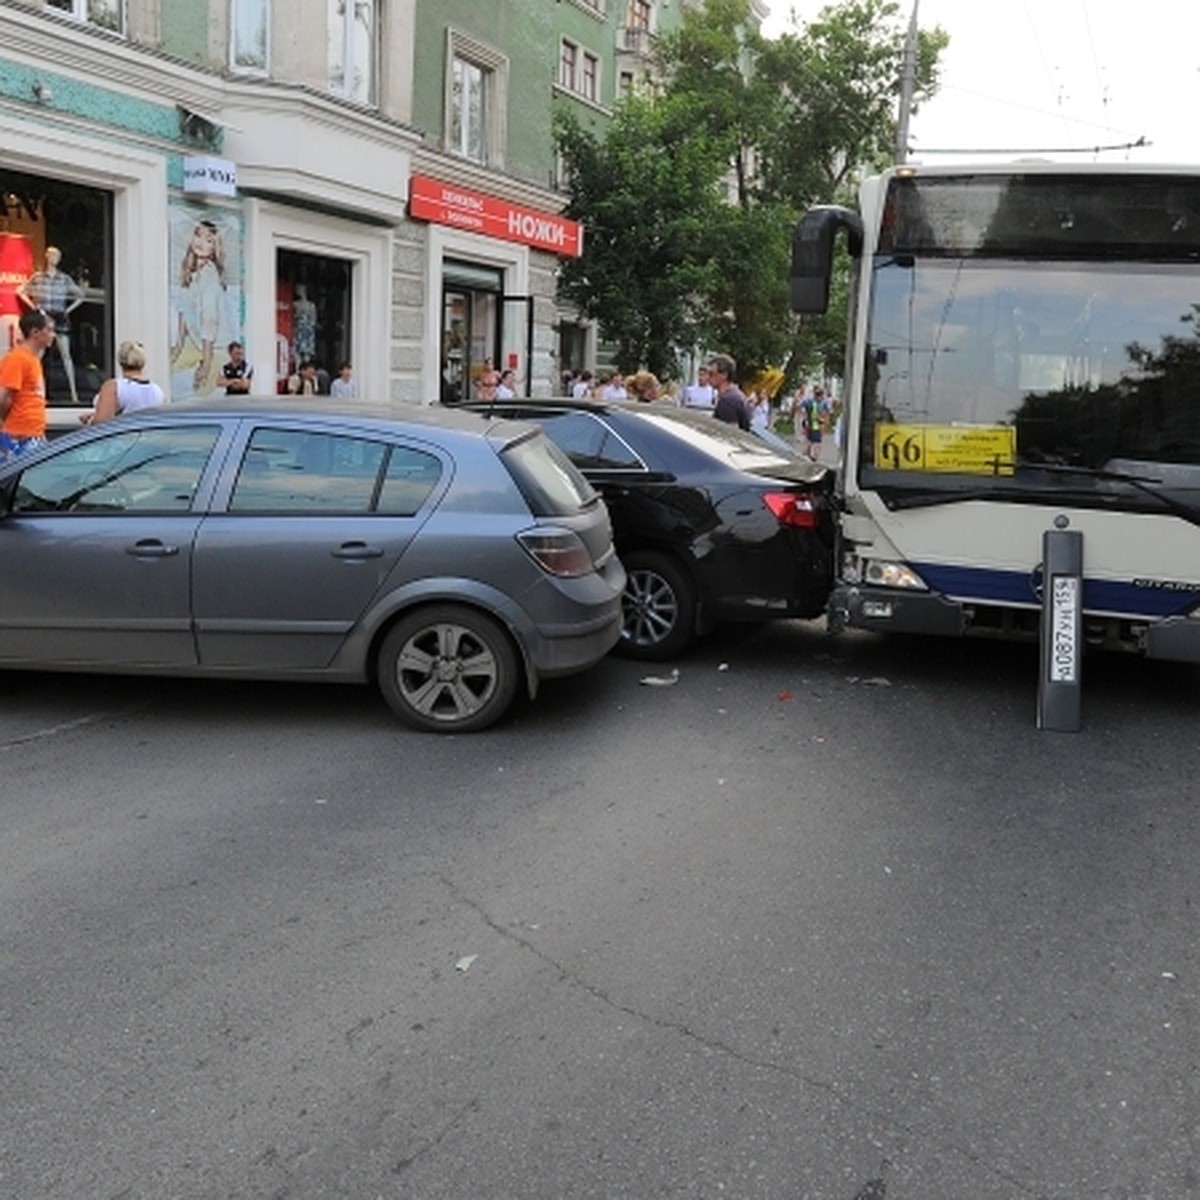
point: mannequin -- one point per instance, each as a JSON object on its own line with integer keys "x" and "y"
{"x": 57, "y": 295}
{"x": 304, "y": 324}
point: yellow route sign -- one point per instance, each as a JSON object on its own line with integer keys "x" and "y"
{"x": 965, "y": 449}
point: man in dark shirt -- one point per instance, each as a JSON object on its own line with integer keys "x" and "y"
{"x": 237, "y": 372}
{"x": 732, "y": 406}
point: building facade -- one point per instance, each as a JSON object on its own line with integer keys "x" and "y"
{"x": 372, "y": 181}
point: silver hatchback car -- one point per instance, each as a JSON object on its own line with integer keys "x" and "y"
{"x": 449, "y": 557}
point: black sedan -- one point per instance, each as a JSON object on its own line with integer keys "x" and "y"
{"x": 712, "y": 524}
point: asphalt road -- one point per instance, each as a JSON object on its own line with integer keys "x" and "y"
{"x": 823, "y": 919}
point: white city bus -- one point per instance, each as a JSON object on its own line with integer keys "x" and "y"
{"x": 1024, "y": 356}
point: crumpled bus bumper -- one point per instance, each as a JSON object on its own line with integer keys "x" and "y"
{"x": 889, "y": 611}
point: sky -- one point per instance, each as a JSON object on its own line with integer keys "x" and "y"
{"x": 1050, "y": 78}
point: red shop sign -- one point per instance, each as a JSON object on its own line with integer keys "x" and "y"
{"x": 448, "y": 204}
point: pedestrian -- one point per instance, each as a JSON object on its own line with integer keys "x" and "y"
{"x": 700, "y": 394}
{"x": 760, "y": 409}
{"x": 506, "y": 389}
{"x": 23, "y": 387}
{"x": 644, "y": 386}
{"x": 614, "y": 389}
{"x": 133, "y": 390}
{"x": 732, "y": 406}
{"x": 237, "y": 373}
{"x": 344, "y": 387}
{"x": 583, "y": 386}
{"x": 306, "y": 381}
{"x": 814, "y": 421}
{"x": 488, "y": 383}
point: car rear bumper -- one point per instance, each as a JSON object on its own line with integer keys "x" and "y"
{"x": 575, "y": 635}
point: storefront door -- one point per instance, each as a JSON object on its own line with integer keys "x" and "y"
{"x": 471, "y": 312}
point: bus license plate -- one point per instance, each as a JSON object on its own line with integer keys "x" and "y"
{"x": 1064, "y": 613}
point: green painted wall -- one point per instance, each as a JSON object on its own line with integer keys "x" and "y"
{"x": 528, "y": 33}
{"x": 184, "y": 30}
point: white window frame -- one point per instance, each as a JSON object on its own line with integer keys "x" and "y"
{"x": 494, "y": 66}
{"x": 271, "y": 227}
{"x": 347, "y": 18}
{"x": 78, "y": 10}
{"x": 244, "y": 68}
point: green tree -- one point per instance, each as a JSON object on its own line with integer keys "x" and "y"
{"x": 690, "y": 199}
{"x": 645, "y": 212}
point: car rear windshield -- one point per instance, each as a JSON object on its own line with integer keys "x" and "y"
{"x": 718, "y": 439}
{"x": 546, "y": 477}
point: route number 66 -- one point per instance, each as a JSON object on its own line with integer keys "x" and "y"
{"x": 900, "y": 451}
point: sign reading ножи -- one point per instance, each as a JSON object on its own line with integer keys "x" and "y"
{"x": 448, "y": 204}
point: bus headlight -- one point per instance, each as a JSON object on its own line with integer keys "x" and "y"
{"x": 880, "y": 572}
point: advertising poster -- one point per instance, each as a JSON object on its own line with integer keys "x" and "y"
{"x": 16, "y": 266}
{"x": 206, "y": 296}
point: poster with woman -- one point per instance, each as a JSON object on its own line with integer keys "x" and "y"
{"x": 206, "y": 295}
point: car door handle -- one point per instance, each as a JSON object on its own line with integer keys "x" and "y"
{"x": 151, "y": 548}
{"x": 357, "y": 551}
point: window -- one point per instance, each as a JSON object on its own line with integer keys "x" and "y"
{"x": 107, "y": 14}
{"x": 151, "y": 470}
{"x": 567, "y": 60}
{"x": 38, "y": 215}
{"x": 293, "y": 471}
{"x": 249, "y": 21}
{"x": 468, "y": 111}
{"x": 589, "y": 77}
{"x": 476, "y": 100}
{"x": 353, "y": 49}
{"x": 639, "y": 14}
{"x": 578, "y": 71}
{"x": 411, "y": 476}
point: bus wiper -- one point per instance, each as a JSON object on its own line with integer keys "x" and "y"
{"x": 1145, "y": 484}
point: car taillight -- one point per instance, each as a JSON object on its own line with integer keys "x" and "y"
{"x": 558, "y": 551}
{"x": 792, "y": 508}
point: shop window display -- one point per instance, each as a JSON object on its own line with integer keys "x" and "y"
{"x": 56, "y": 254}
{"x": 312, "y": 320}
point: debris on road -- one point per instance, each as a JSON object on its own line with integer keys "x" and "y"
{"x": 661, "y": 680}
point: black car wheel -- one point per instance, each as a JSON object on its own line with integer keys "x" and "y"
{"x": 659, "y": 607}
{"x": 448, "y": 669}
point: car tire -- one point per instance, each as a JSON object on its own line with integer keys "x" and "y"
{"x": 448, "y": 669}
{"x": 658, "y": 609}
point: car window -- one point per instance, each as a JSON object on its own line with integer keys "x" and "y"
{"x": 411, "y": 476}
{"x": 589, "y": 442}
{"x": 735, "y": 446}
{"x": 297, "y": 470}
{"x": 144, "y": 470}
{"x": 549, "y": 481}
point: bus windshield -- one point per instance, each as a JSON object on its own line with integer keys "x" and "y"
{"x": 1028, "y": 321}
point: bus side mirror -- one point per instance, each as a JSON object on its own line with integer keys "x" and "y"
{"x": 812, "y": 253}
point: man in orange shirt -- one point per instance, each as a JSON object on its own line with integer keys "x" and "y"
{"x": 23, "y": 387}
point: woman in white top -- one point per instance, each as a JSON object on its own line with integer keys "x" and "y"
{"x": 131, "y": 391}
{"x": 760, "y": 410}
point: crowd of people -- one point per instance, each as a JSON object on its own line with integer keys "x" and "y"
{"x": 812, "y": 413}
{"x": 809, "y": 413}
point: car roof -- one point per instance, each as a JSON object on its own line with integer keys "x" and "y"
{"x": 381, "y": 415}
{"x": 660, "y": 412}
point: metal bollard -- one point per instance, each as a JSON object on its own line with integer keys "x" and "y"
{"x": 1059, "y": 686}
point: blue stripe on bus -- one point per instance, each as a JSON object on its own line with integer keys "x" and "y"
{"x": 991, "y": 586}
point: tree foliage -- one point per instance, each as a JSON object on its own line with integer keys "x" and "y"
{"x": 690, "y": 196}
